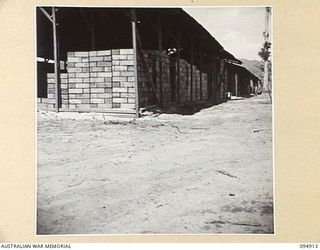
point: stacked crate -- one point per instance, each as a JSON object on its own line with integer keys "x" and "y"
{"x": 158, "y": 64}
{"x": 48, "y": 103}
{"x": 195, "y": 76}
{"x": 89, "y": 79}
{"x": 146, "y": 93}
{"x": 165, "y": 70}
{"x": 198, "y": 90}
{"x": 103, "y": 80}
{"x": 189, "y": 71}
{"x": 183, "y": 81}
{"x": 123, "y": 86}
{"x": 161, "y": 74}
{"x": 51, "y": 91}
{"x": 78, "y": 73}
{"x": 100, "y": 81}
{"x": 204, "y": 87}
{"x": 64, "y": 89}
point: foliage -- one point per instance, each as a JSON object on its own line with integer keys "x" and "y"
{"x": 264, "y": 53}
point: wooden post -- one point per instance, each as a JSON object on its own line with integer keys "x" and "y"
{"x": 178, "y": 65}
{"x": 134, "y": 42}
{"x": 222, "y": 80}
{"x": 191, "y": 62}
{"x": 209, "y": 81}
{"x": 56, "y": 59}
{"x": 201, "y": 68}
{"x": 236, "y": 84}
{"x": 215, "y": 78}
{"x": 160, "y": 48}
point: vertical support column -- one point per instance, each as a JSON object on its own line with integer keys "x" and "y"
{"x": 56, "y": 59}
{"x": 214, "y": 78}
{"x": 226, "y": 80}
{"x": 191, "y": 62}
{"x": 209, "y": 74}
{"x": 265, "y": 76}
{"x": 135, "y": 60}
{"x": 221, "y": 82}
{"x": 178, "y": 64}
{"x": 201, "y": 69}
{"x": 160, "y": 48}
{"x": 236, "y": 84}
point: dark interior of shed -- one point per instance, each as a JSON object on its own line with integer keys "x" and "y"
{"x": 170, "y": 30}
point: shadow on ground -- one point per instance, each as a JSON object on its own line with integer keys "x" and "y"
{"x": 189, "y": 108}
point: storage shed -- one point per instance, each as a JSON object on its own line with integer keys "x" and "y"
{"x": 119, "y": 60}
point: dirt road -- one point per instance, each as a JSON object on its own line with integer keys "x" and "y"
{"x": 206, "y": 173}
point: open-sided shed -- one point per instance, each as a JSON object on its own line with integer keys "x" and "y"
{"x": 240, "y": 81}
{"x": 123, "y": 59}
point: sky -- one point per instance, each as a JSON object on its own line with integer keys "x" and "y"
{"x": 238, "y": 29}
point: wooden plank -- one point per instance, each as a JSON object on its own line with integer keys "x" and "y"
{"x": 46, "y": 14}
{"x": 135, "y": 58}
{"x": 56, "y": 59}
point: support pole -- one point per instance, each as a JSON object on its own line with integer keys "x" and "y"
{"x": 201, "y": 69}
{"x": 191, "y": 62}
{"x": 160, "y": 48}
{"x": 209, "y": 74}
{"x": 214, "y": 78}
{"x": 56, "y": 59}
{"x": 267, "y": 42}
{"x": 178, "y": 65}
{"x": 46, "y": 14}
{"x": 236, "y": 84}
{"x": 135, "y": 54}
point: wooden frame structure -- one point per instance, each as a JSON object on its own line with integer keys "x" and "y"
{"x": 161, "y": 29}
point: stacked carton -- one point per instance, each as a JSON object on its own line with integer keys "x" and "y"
{"x": 123, "y": 86}
{"x": 48, "y": 103}
{"x": 146, "y": 92}
{"x": 95, "y": 80}
{"x": 204, "y": 87}
{"x": 158, "y": 65}
{"x": 100, "y": 80}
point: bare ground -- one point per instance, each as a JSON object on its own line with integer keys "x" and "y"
{"x": 206, "y": 173}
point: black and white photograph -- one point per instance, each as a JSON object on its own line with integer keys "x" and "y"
{"x": 154, "y": 120}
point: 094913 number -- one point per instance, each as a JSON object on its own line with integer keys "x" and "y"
{"x": 313, "y": 245}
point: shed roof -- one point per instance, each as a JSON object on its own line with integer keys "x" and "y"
{"x": 87, "y": 28}
{"x": 242, "y": 69}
